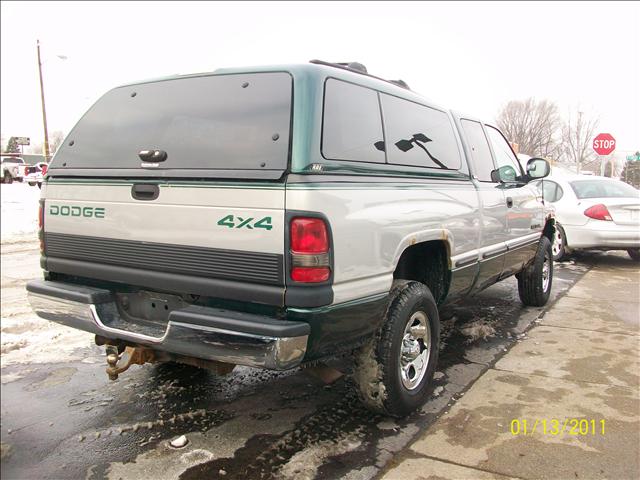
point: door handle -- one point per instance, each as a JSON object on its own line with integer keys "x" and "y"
{"x": 509, "y": 202}
{"x": 145, "y": 191}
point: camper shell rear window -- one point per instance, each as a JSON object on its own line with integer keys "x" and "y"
{"x": 235, "y": 122}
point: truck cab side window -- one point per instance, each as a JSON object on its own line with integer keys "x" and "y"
{"x": 480, "y": 151}
{"x": 352, "y": 126}
{"x": 505, "y": 157}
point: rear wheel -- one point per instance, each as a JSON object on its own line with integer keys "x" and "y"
{"x": 534, "y": 282}
{"x": 559, "y": 245}
{"x": 32, "y": 184}
{"x": 634, "y": 253}
{"x": 393, "y": 372}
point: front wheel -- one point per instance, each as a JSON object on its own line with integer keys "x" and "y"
{"x": 32, "y": 184}
{"x": 394, "y": 370}
{"x": 534, "y": 282}
{"x": 7, "y": 178}
{"x": 634, "y": 253}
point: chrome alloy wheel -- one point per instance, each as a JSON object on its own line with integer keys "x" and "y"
{"x": 415, "y": 350}
{"x": 546, "y": 272}
{"x": 557, "y": 243}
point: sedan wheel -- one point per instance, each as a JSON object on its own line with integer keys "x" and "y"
{"x": 558, "y": 248}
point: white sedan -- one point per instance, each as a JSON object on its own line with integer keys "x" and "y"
{"x": 593, "y": 213}
{"x": 34, "y": 175}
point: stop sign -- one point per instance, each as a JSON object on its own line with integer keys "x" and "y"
{"x": 604, "y": 144}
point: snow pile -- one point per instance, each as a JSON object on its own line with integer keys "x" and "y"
{"x": 19, "y": 215}
{"x": 30, "y": 339}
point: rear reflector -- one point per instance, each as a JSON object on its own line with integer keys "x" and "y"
{"x": 310, "y": 274}
{"x": 598, "y": 212}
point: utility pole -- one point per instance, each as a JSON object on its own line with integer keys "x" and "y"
{"x": 44, "y": 112}
{"x": 578, "y": 143}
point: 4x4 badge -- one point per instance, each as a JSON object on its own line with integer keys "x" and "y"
{"x": 239, "y": 222}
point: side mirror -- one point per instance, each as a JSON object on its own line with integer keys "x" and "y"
{"x": 538, "y": 168}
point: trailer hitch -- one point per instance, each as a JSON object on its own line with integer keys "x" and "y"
{"x": 119, "y": 362}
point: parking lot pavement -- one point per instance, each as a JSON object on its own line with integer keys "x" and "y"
{"x": 574, "y": 380}
{"x": 62, "y": 418}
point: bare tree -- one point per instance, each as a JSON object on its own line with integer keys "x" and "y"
{"x": 37, "y": 148}
{"x": 577, "y": 135}
{"x": 534, "y": 125}
{"x": 55, "y": 140}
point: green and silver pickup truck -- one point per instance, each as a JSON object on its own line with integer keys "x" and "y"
{"x": 278, "y": 216}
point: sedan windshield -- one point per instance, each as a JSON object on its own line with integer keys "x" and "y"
{"x": 603, "y": 189}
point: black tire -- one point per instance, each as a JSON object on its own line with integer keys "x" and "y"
{"x": 7, "y": 178}
{"x": 32, "y": 184}
{"x": 634, "y": 253}
{"x": 534, "y": 291}
{"x": 559, "y": 245}
{"x": 378, "y": 374}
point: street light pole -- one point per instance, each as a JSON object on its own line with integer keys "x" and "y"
{"x": 44, "y": 112}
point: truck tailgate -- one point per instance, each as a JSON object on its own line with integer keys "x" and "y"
{"x": 207, "y": 230}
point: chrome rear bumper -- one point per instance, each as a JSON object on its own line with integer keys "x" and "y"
{"x": 195, "y": 331}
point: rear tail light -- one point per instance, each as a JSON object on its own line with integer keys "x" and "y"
{"x": 310, "y": 246}
{"x": 598, "y": 212}
{"x": 309, "y": 235}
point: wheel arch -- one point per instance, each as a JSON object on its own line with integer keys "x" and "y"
{"x": 427, "y": 261}
{"x": 549, "y": 229}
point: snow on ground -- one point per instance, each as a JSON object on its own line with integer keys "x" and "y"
{"x": 28, "y": 339}
{"x": 24, "y": 337}
{"x": 19, "y": 215}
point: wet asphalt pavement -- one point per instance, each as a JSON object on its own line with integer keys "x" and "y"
{"x": 67, "y": 420}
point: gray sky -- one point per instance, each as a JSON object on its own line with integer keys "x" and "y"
{"x": 472, "y": 57}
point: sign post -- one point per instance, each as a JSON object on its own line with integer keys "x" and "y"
{"x": 604, "y": 144}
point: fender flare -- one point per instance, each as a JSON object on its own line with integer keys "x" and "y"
{"x": 422, "y": 236}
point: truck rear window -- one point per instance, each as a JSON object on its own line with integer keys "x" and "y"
{"x": 228, "y": 122}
